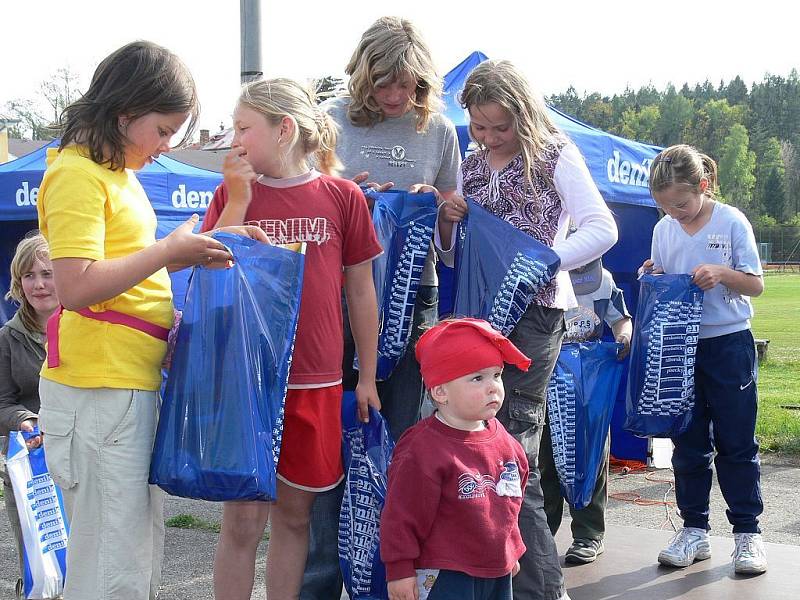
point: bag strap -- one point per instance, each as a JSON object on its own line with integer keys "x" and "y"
{"x": 109, "y": 316}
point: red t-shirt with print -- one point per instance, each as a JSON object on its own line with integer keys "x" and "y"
{"x": 331, "y": 215}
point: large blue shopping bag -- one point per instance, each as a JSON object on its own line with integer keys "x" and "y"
{"x": 41, "y": 517}
{"x": 404, "y": 224}
{"x": 580, "y": 401}
{"x": 367, "y": 450}
{"x": 660, "y": 394}
{"x": 498, "y": 269}
{"x": 219, "y": 431}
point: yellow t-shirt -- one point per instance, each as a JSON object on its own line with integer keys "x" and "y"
{"x": 88, "y": 211}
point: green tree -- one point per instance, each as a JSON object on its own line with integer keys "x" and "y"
{"x": 598, "y": 112}
{"x": 770, "y": 195}
{"x": 641, "y": 125}
{"x": 736, "y": 169}
{"x": 568, "y": 102}
{"x": 712, "y": 123}
{"x": 675, "y": 118}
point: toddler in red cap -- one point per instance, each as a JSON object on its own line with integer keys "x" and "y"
{"x": 449, "y": 526}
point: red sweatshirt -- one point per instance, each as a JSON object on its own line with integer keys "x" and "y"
{"x": 453, "y": 501}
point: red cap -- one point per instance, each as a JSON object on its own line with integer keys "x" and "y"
{"x": 458, "y": 347}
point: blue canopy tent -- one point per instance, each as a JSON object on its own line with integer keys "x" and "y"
{"x": 175, "y": 189}
{"x": 620, "y": 169}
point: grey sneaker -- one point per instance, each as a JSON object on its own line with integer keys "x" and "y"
{"x": 749, "y": 556}
{"x": 583, "y": 551}
{"x": 686, "y": 546}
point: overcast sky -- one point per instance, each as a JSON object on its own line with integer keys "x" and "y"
{"x": 592, "y": 45}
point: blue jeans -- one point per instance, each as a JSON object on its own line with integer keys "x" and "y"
{"x": 453, "y": 585}
{"x": 723, "y": 420}
{"x": 538, "y": 335}
{"x": 401, "y": 398}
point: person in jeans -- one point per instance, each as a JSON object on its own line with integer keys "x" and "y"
{"x": 714, "y": 242}
{"x": 391, "y": 134}
{"x": 599, "y": 301}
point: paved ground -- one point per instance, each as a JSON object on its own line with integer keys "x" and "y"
{"x": 189, "y": 553}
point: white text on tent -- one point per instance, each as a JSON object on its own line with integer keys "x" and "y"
{"x": 629, "y": 173}
{"x": 191, "y": 199}
{"x": 26, "y": 196}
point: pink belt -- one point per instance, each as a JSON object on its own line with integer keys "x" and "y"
{"x": 109, "y": 316}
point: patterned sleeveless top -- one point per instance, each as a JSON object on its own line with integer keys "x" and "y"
{"x": 506, "y": 194}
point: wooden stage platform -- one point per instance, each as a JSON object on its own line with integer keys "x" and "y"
{"x": 628, "y": 570}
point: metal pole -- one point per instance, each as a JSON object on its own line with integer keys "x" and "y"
{"x": 250, "y": 27}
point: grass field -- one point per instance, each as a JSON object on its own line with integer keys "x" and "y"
{"x": 778, "y": 320}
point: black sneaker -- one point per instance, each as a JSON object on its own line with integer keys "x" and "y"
{"x": 583, "y": 551}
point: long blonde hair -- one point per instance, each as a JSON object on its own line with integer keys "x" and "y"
{"x": 683, "y": 165}
{"x": 389, "y": 48}
{"x": 499, "y": 81}
{"x": 33, "y": 247}
{"x": 314, "y": 130}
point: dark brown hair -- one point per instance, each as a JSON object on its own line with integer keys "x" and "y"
{"x": 137, "y": 79}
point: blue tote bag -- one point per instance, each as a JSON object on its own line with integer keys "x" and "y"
{"x": 219, "y": 431}
{"x": 660, "y": 394}
{"x": 404, "y": 224}
{"x": 499, "y": 269}
{"x": 580, "y": 401}
{"x": 367, "y": 450}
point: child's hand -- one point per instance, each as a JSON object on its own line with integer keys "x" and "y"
{"x": 648, "y": 266}
{"x": 239, "y": 176}
{"x": 403, "y": 589}
{"x": 362, "y": 177}
{"x": 625, "y": 340}
{"x": 708, "y": 276}
{"x": 186, "y": 248}
{"x": 366, "y": 396}
{"x": 515, "y": 569}
{"x": 454, "y": 209}
{"x": 251, "y": 231}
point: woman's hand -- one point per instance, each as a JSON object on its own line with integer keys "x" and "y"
{"x": 239, "y": 176}
{"x": 361, "y": 179}
{"x": 28, "y": 425}
{"x": 403, "y": 589}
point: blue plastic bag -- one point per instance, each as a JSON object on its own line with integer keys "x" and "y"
{"x": 660, "y": 394}
{"x": 404, "y": 224}
{"x": 367, "y": 449}
{"x": 219, "y": 432}
{"x": 499, "y": 269}
{"x": 580, "y": 401}
{"x": 41, "y": 517}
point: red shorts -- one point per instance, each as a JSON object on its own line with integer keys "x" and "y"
{"x": 311, "y": 447}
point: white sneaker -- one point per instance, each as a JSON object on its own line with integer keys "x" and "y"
{"x": 686, "y": 546}
{"x": 749, "y": 556}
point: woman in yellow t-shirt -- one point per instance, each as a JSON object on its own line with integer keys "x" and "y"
{"x": 99, "y": 385}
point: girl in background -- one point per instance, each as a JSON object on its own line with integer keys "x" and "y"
{"x": 268, "y": 182}
{"x": 713, "y": 242}
{"x": 21, "y": 357}
{"x": 529, "y": 174}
